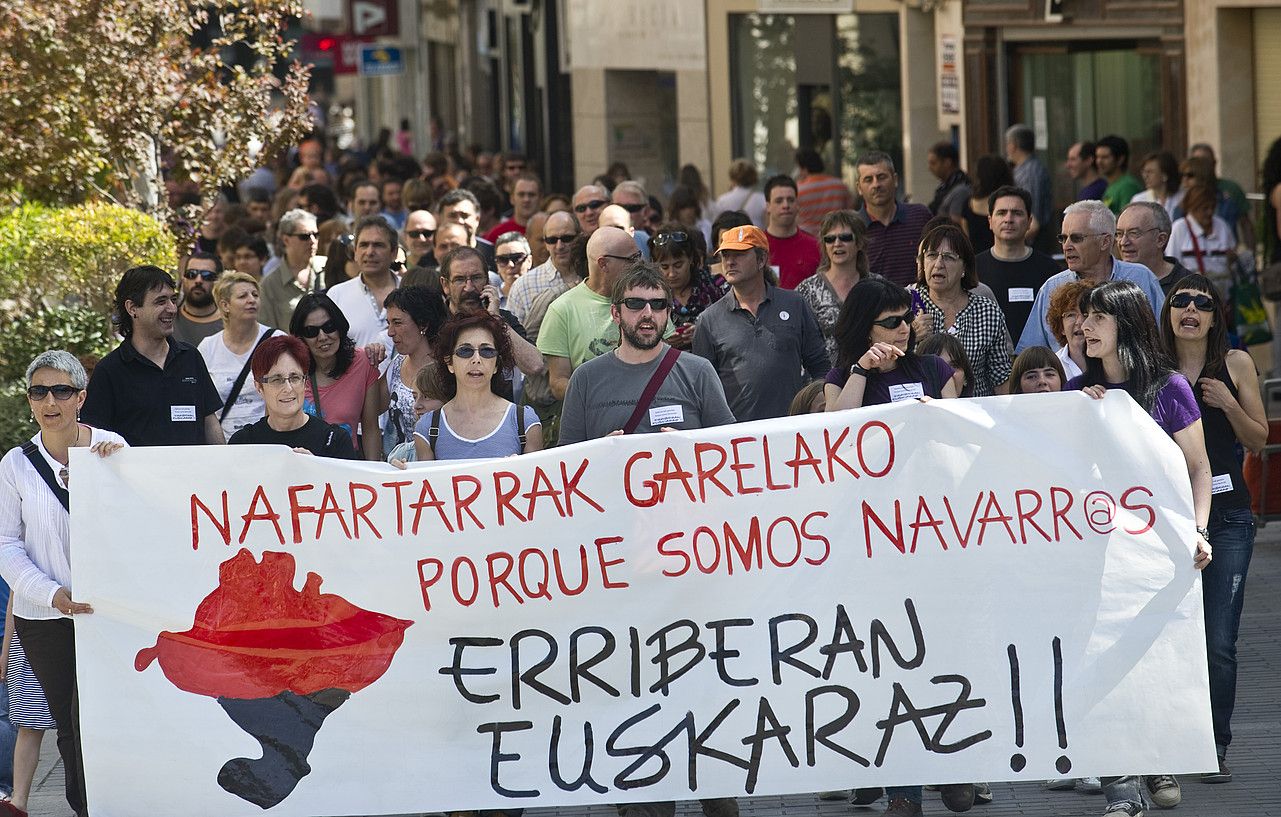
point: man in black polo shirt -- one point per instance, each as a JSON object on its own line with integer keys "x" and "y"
{"x": 152, "y": 389}
{"x": 1013, "y": 270}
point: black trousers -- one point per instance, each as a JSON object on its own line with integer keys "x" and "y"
{"x": 50, "y": 645}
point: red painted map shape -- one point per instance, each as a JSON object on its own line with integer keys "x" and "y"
{"x": 255, "y": 636}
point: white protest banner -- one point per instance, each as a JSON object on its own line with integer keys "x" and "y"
{"x": 995, "y": 589}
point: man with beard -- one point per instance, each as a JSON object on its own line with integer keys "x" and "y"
{"x": 605, "y": 391}
{"x": 198, "y": 316}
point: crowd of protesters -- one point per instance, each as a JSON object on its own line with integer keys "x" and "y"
{"x": 378, "y": 307}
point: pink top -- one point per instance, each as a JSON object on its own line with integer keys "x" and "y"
{"x": 342, "y": 401}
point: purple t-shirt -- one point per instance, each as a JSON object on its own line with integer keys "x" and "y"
{"x": 1175, "y": 406}
{"x": 915, "y": 376}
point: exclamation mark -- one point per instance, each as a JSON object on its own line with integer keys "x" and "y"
{"x": 1017, "y": 760}
{"x": 1063, "y": 764}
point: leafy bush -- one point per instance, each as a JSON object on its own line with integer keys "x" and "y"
{"x": 16, "y": 426}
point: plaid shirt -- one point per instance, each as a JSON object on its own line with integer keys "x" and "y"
{"x": 980, "y": 327}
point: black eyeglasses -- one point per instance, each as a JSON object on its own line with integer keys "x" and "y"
{"x": 637, "y": 304}
{"x": 1180, "y": 300}
{"x": 329, "y": 327}
{"x": 514, "y": 259}
{"x": 466, "y": 352}
{"x": 553, "y": 240}
{"x": 59, "y": 392}
{"x": 306, "y": 236}
{"x": 632, "y": 208}
{"x": 663, "y": 239}
{"x": 631, "y": 259}
{"x": 204, "y": 274}
{"x": 421, "y": 235}
{"x": 842, "y": 237}
{"x": 894, "y": 321}
{"x": 594, "y": 204}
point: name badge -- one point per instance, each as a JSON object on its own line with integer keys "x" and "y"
{"x": 906, "y": 391}
{"x": 1021, "y": 295}
{"x": 1220, "y": 483}
{"x": 182, "y": 414}
{"x": 666, "y": 415}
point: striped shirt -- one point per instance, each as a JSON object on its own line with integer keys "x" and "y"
{"x": 35, "y": 531}
{"x": 891, "y": 248}
{"x": 816, "y": 196}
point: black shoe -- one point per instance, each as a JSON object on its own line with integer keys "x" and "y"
{"x": 902, "y": 807}
{"x": 958, "y": 796}
{"x": 866, "y": 797}
{"x": 982, "y": 794}
{"x": 1223, "y": 775}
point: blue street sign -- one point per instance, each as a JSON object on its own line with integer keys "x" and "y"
{"x": 380, "y": 61}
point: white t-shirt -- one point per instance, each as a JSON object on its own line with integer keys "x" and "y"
{"x": 225, "y": 367}
{"x": 368, "y": 319}
{"x": 1214, "y": 249}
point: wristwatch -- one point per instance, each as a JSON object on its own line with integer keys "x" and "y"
{"x": 857, "y": 369}
{"x": 1205, "y": 533}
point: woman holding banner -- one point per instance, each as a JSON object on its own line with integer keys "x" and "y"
{"x": 1123, "y": 351}
{"x": 876, "y": 360}
{"x": 1195, "y": 335}
{"x": 35, "y": 545}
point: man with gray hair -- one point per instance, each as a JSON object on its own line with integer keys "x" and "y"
{"x": 588, "y": 202}
{"x": 1142, "y": 232}
{"x": 1030, "y": 173}
{"x": 299, "y": 271}
{"x": 1089, "y": 229}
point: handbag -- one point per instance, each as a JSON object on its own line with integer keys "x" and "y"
{"x": 1247, "y": 307}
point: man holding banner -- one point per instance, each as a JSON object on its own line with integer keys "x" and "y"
{"x": 675, "y": 390}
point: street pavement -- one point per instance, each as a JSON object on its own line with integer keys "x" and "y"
{"x": 1255, "y": 755}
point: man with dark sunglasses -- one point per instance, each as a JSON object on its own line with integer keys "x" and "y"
{"x": 604, "y": 391}
{"x": 198, "y": 316}
{"x": 420, "y": 229}
{"x": 295, "y": 273}
{"x": 587, "y": 204}
{"x": 557, "y": 273}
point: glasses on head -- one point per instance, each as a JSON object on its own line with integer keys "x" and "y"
{"x": 1180, "y": 300}
{"x": 663, "y": 239}
{"x": 329, "y": 327}
{"x": 945, "y": 256}
{"x": 844, "y": 238}
{"x": 632, "y": 208}
{"x": 421, "y": 235}
{"x": 204, "y": 274}
{"x": 513, "y": 260}
{"x": 306, "y": 236}
{"x": 465, "y": 352}
{"x": 277, "y": 381}
{"x": 479, "y": 280}
{"x": 1075, "y": 238}
{"x": 1134, "y": 233}
{"x": 893, "y": 321}
{"x": 594, "y": 204}
{"x": 631, "y": 259}
{"x": 553, "y": 240}
{"x": 655, "y": 304}
{"x": 59, "y": 392}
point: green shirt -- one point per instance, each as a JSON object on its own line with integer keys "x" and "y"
{"x": 578, "y": 326}
{"x": 1120, "y": 192}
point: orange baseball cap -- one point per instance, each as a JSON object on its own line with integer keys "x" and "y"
{"x": 743, "y": 238}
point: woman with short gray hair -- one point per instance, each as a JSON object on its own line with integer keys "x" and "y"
{"x": 35, "y": 544}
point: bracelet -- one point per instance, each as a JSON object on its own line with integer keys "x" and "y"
{"x": 857, "y": 369}
{"x": 1204, "y": 533}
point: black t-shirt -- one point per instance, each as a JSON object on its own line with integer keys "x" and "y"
{"x": 1015, "y": 284}
{"x": 317, "y": 436}
{"x": 147, "y": 405}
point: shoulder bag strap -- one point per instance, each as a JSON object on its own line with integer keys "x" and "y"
{"x": 520, "y": 427}
{"x": 315, "y": 391}
{"x": 433, "y": 433}
{"x": 240, "y": 380}
{"x": 1196, "y": 246}
{"x": 46, "y": 473}
{"x": 651, "y": 389}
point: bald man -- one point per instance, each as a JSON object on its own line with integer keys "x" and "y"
{"x": 616, "y": 215}
{"x": 588, "y": 202}
{"x": 578, "y": 325}
{"x": 559, "y": 233}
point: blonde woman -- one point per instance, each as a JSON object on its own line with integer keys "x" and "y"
{"x": 227, "y": 353}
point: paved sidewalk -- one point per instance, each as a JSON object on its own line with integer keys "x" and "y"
{"x": 1255, "y": 756}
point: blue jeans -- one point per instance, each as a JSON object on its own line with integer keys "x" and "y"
{"x": 8, "y": 737}
{"x": 1223, "y": 592}
{"x": 1123, "y": 790}
{"x": 912, "y": 793}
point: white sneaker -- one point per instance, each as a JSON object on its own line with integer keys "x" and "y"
{"x": 1164, "y": 790}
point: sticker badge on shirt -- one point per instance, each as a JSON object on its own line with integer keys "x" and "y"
{"x": 182, "y": 414}
{"x": 784, "y": 315}
{"x": 906, "y": 391}
{"x": 1022, "y": 295}
{"x": 1221, "y": 483}
{"x": 666, "y": 415}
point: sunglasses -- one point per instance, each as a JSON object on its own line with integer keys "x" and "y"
{"x": 204, "y": 274}
{"x": 844, "y": 238}
{"x": 663, "y": 239}
{"x": 466, "y": 352}
{"x": 894, "y": 321}
{"x": 655, "y": 304}
{"x": 60, "y": 392}
{"x": 1180, "y": 300}
{"x": 632, "y": 208}
{"x": 306, "y": 236}
{"x": 556, "y": 239}
{"x": 1076, "y": 238}
{"x": 594, "y": 204}
{"x": 329, "y": 327}
{"x": 515, "y": 259}
{"x": 421, "y": 235}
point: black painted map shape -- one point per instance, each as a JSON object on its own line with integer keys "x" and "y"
{"x": 278, "y": 661}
